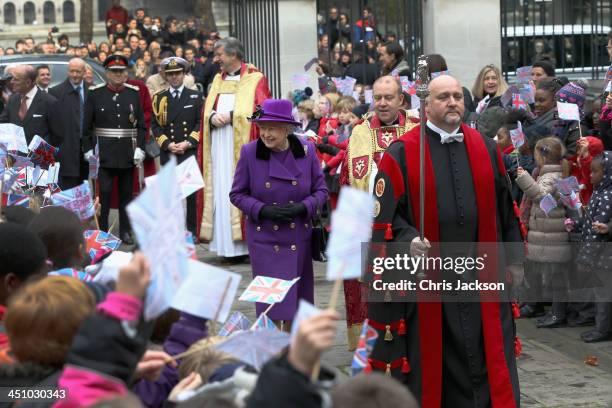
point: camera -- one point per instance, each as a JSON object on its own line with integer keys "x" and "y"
{"x": 54, "y": 29}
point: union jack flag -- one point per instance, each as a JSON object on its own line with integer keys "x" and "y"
{"x": 190, "y": 244}
{"x": 265, "y": 323}
{"x": 18, "y": 199}
{"x": 517, "y": 136}
{"x": 42, "y": 153}
{"x": 237, "y": 321}
{"x": 11, "y": 178}
{"x": 73, "y": 273}
{"x": 367, "y": 339}
{"x": 77, "y": 199}
{"x": 518, "y": 102}
{"x": 571, "y": 200}
{"x": 268, "y": 290}
{"x": 100, "y": 243}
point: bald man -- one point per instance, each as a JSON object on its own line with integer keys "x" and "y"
{"x": 71, "y": 95}
{"x": 368, "y": 141}
{"x": 31, "y": 108}
{"x": 450, "y": 348}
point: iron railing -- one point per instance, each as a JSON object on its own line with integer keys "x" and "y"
{"x": 255, "y": 23}
{"x": 572, "y": 34}
{"x": 403, "y": 18}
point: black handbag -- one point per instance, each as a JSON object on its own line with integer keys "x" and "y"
{"x": 152, "y": 148}
{"x": 318, "y": 240}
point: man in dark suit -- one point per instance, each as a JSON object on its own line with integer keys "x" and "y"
{"x": 114, "y": 120}
{"x": 176, "y": 123}
{"x": 31, "y": 108}
{"x": 71, "y": 95}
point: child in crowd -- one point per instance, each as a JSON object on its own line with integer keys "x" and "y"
{"x": 41, "y": 321}
{"x": 61, "y": 231}
{"x": 595, "y": 253}
{"x": 22, "y": 257}
{"x": 548, "y": 243}
{"x": 587, "y": 148}
{"x": 513, "y": 157}
{"x": 306, "y": 116}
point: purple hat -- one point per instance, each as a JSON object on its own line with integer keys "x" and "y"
{"x": 274, "y": 110}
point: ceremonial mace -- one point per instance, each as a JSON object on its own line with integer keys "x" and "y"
{"x": 422, "y": 92}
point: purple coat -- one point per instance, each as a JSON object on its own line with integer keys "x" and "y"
{"x": 280, "y": 249}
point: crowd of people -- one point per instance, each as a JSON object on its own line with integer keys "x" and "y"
{"x": 273, "y": 170}
{"x": 143, "y": 39}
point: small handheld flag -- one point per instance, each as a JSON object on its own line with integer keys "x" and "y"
{"x": 548, "y": 203}
{"x": 366, "y": 342}
{"x": 264, "y": 289}
{"x": 77, "y": 200}
{"x": 568, "y": 111}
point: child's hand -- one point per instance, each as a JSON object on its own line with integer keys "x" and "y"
{"x": 191, "y": 382}
{"x": 520, "y": 171}
{"x": 582, "y": 147}
{"x": 600, "y": 227}
{"x": 134, "y": 278}
{"x": 569, "y": 224}
{"x": 609, "y": 101}
{"x": 328, "y": 128}
{"x": 314, "y": 336}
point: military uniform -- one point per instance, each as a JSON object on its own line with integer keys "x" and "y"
{"x": 114, "y": 121}
{"x": 177, "y": 113}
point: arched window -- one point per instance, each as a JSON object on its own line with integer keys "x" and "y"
{"x": 9, "y": 13}
{"x": 49, "y": 12}
{"x": 68, "y": 11}
{"x": 29, "y": 13}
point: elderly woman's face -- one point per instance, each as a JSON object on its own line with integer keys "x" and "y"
{"x": 274, "y": 135}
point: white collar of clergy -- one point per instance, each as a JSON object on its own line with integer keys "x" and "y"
{"x": 446, "y": 137}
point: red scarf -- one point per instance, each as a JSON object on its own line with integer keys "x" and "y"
{"x": 430, "y": 312}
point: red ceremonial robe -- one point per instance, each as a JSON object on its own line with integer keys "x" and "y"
{"x": 430, "y": 327}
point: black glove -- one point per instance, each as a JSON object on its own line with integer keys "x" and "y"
{"x": 325, "y": 148}
{"x": 325, "y": 139}
{"x": 295, "y": 209}
{"x": 274, "y": 213}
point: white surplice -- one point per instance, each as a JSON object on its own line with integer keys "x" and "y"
{"x": 222, "y": 160}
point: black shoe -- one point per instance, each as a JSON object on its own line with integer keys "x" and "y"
{"x": 587, "y": 333}
{"x": 581, "y": 322}
{"x": 127, "y": 239}
{"x": 531, "y": 311}
{"x": 550, "y": 321}
{"x": 595, "y": 336}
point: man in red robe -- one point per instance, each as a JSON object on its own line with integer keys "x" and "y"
{"x": 451, "y": 348}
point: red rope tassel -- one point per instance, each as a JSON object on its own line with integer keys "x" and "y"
{"x": 516, "y": 312}
{"x": 401, "y": 329}
{"x": 388, "y": 233}
{"x": 518, "y": 347}
{"x": 405, "y": 366}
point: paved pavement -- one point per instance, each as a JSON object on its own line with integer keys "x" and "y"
{"x": 552, "y": 371}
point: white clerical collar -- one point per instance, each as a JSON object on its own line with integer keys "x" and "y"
{"x": 440, "y": 131}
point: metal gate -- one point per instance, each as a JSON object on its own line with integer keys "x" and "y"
{"x": 401, "y": 18}
{"x": 255, "y": 24}
{"x": 571, "y": 34}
